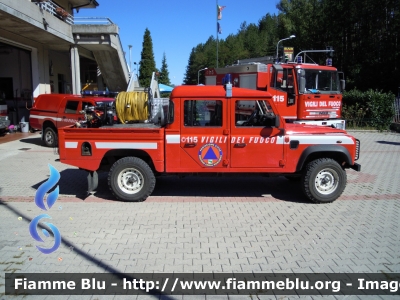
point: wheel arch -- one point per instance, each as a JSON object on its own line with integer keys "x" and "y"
{"x": 339, "y": 153}
{"x": 48, "y": 123}
{"x": 113, "y": 155}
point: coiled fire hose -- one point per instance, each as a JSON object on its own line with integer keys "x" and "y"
{"x": 132, "y": 106}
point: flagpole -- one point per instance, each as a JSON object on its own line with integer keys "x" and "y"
{"x": 217, "y": 33}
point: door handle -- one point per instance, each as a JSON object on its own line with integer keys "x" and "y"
{"x": 240, "y": 145}
{"x": 190, "y": 145}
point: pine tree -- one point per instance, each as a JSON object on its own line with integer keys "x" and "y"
{"x": 363, "y": 33}
{"x": 147, "y": 63}
{"x": 190, "y": 76}
{"x": 164, "y": 74}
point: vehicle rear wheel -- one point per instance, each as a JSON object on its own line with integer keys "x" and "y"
{"x": 131, "y": 179}
{"x": 323, "y": 180}
{"x": 50, "y": 137}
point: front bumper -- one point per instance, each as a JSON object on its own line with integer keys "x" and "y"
{"x": 356, "y": 167}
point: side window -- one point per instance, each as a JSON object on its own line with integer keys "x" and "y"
{"x": 71, "y": 107}
{"x": 253, "y": 113}
{"x": 203, "y": 113}
{"x": 277, "y": 79}
{"x": 272, "y": 71}
{"x": 170, "y": 112}
{"x": 243, "y": 112}
{"x": 282, "y": 80}
{"x": 290, "y": 80}
{"x": 86, "y": 104}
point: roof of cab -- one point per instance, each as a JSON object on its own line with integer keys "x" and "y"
{"x": 213, "y": 91}
{"x": 72, "y": 96}
{"x": 52, "y": 101}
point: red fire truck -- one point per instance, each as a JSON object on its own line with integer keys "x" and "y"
{"x": 305, "y": 93}
{"x": 51, "y": 111}
{"x": 208, "y": 129}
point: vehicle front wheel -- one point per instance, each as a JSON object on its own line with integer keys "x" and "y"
{"x": 323, "y": 180}
{"x": 131, "y": 179}
{"x": 50, "y": 137}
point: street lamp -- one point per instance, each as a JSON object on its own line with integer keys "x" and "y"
{"x": 277, "y": 45}
{"x": 198, "y": 75}
{"x": 130, "y": 63}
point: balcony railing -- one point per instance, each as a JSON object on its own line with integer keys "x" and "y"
{"x": 55, "y": 10}
{"x": 92, "y": 21}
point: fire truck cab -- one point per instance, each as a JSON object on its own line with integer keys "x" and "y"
{"x": 302, "y": 92}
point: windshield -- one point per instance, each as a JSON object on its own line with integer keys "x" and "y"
{"x": 321, "y": 81}
{"x": 104, "y": 103}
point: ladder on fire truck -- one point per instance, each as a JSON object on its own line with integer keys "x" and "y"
{"x": 134, "y": 86}
{"x": 256, "y": 60}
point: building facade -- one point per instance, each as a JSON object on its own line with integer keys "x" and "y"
{"x": 45, "y": 49}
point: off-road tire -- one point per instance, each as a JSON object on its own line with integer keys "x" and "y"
{"x": 323, "y": 180}
{"x": 131, "y": 179}
{"x": 50, "y": 138}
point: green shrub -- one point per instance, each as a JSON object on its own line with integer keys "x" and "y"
{"x": 370, "y": 109}
{"x": 381, "y": 108}
{"x": 354, "y": 115}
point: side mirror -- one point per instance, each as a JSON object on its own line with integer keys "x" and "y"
{"x": 270, "y": 120}
{"x": 302, "y": 82}
{"x": 277, "y": 121}
{"x": 342, "y": 84}
{"x": 170, "y": 116}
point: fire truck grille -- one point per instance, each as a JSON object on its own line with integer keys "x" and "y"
{"x": 358, "y": 145}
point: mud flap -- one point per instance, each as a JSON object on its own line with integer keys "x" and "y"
{"x": 93, "y": 181}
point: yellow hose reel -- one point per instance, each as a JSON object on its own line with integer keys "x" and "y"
{"x": 132, "y": 106}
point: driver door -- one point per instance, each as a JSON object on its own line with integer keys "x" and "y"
{"x": 253, "y": 145}
{"x": 282, "y": 89}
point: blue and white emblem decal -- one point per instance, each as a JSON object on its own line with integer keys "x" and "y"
{"x": 210, "y": 155}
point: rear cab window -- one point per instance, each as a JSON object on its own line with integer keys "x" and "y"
{"x": 71, "y": 107}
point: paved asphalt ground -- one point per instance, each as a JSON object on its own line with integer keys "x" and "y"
{"x": 199, "y": 224}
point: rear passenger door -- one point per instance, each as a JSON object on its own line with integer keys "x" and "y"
{"x": 71, "y": 113}
{"x": 204, "y": 135}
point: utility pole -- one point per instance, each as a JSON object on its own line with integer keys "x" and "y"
{"x": 217, "y": 33}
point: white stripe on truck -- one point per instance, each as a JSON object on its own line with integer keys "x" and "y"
{"x": 122, "y": 145}
{"x": 71, "y": 145}
{"x": 322, "y": 140}
{"x": 45, "y": 117}
{"x": 173, "y": 138}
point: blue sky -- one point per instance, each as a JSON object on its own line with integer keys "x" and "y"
{"x": 176, "y": 26}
